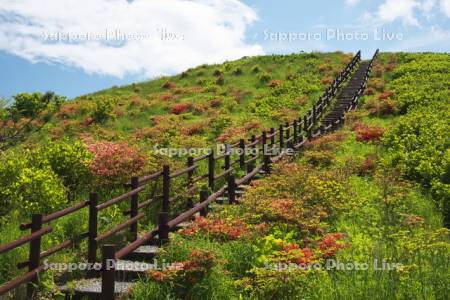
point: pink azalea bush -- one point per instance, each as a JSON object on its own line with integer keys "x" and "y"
{"x": 115, "y": 162}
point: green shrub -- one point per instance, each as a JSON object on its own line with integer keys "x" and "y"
{"x": 217, "y": 73}
{"x": 422, "y": 81}
{"x": 102, "y": 110}
{"x": 220, "y": 123}
{"x": 264, "y": 77}
{"x": 220, "y": 80}
{"x": 419, "y": 145}
{"x": 69, "y": 160}
{"x": 256, "y": 69}
{"x": 28, "y": 188}
{"x": 238, "y": 71}
{"x": 30, "y": 105}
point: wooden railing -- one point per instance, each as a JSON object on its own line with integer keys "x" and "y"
{"x": 285, "y": 139}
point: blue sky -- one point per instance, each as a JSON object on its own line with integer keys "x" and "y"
{"x": 75, "y": 47}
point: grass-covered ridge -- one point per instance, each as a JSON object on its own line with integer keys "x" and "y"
{"x": 376, "y": 190}
{"x": 209, "y": 101}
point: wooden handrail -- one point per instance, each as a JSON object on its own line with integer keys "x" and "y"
{"x": 120, "y": 198}
{"x": 25, "y": 239}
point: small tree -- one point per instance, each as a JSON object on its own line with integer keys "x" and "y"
{"x": 28, "y": 113}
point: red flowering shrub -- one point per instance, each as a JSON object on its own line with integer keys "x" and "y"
{"x": 215, "y": 103}
{"x": 195, "y": 128}
{"x": 381, "y": 107}
{"x": 218, "y": 229}
{"x": 412, "y": 220}
{"x": 390, "y": 67}
{"x": 319, "y": 158}
{"x": 200, "y": 107}
{"x": 369, "y": 91}
{"x": 88, "y": 121}
{"x": 376, "y": 83}
{"x": 302, "y": 100}
{"x": 326, "y": 142}
{"x": 293, "y": 253}
{"x": 325, "y": 67}
{"x": 252, "y": 125}
{"x": 169, "y": 85}
{"x": 331, "y": 243}
{"x": 274, "y": 83}
{"x": 166, "y": 97}
{"x": 365, "y": 133}
{"x": 232, "y": 134}
{"x": 378, "y": 70}
{"x": 181, "y": 276}
{"x": 386, "y": 95}
{"x": 68, "y": 110}
{"x": 368, "y": 166}
{"x": 115, "y": 162}
{"x": 180, "y": 108}
{"x": 327, "y": 80}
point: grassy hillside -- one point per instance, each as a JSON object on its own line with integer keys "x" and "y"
{"x": 206, "y": 102}
{"x": 368, "y": 201}
{"x": 376, "y": 190}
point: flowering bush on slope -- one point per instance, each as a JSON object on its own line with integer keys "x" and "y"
{"x": 182, "y": 276}
{"x": 115, "y": 162}
{"x": 220, "y": 229}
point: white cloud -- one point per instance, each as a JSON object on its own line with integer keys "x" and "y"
{"x": 351, "y": 2}
{"x": 445, "y": 7}
{"x": 427, "y": 5}
{"x": 208, "y": 31}
{"x": 432, "y": 38}
{"x": 403, "y": 10}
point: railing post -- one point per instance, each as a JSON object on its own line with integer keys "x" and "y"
{"x": 272, "y": 136}
{"x": 227, "y": 162}
{"x": 305, "y": 123}
{"x": 309, "y": 134}
{"x": 163, "y": 228}
{"x": 211, "y": 171}
{"x": 322, "y": 130}
{"x": 134, "y": 203}
{"x": 314, "y": 113}
{"x": 288, "y": 131}
{"x": 242, "y": 154}
{"x": 108, "y": 272}
{"x": 203, "y": 196}
{"x": 290, "y": 148}
{"x": 300, "y": 138}
{"x": 93, "y": 224}
{"x": 300, "y": 126}
{"x": 251, "y": 165}
{"x": 295, "y": 125}
{"x": 190, "y": 163}
{"x": 266, "y": 154}
{"x": 166, "y": 188}
{"x": 163, "y": 216}
{"x": 281, "y": 137}
{"x": 35, "y": 254}
{"x": 231, "y": 189}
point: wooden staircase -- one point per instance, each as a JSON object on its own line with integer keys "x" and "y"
{"x": 135, "y": 265}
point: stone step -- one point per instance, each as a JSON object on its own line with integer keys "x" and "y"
{"x": 182, "y": 225}
{"x": 238, "y": 193}
{"x": 129, "y": 270}
{"x": 222, "y": 200}
{"x": 92, "y": 288}
{"x": 243, "y": 187}
{"x": 144, "y": 253}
